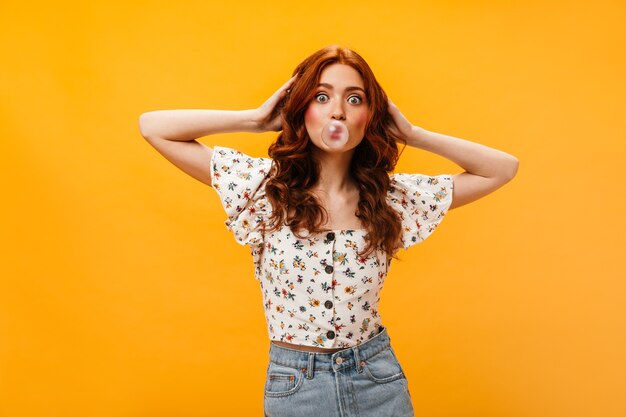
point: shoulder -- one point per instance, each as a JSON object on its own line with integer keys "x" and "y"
{"x": 234, "y": 168}
{"x": 227, "y": 160}
{"x": 436, "y": 187}
{"x": 422, "y": 201}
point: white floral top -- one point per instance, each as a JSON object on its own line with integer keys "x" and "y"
{"x": 317, "y": 291}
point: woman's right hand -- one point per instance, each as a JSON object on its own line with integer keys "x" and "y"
{"x": 267, "y": 116}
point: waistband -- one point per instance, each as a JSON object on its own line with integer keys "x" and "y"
{"x": 316, "y": 361}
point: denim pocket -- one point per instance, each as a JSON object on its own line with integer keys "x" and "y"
{"x": 383, "y": 367}
{"x": 282, "y": 381}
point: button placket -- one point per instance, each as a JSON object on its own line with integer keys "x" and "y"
{"x": 329, "y": 269}
{"x": 330, "y": 239}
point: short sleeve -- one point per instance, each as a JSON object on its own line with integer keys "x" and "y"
{"x": 422, "y": 201}
{"x": 240, "y": 180}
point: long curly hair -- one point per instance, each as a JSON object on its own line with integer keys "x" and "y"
{"x": 295, "y": 171}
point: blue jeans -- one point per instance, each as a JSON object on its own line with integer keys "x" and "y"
{"x": 364, "y": 380}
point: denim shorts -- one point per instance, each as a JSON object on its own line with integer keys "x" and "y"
{"x": 364, "y": 380}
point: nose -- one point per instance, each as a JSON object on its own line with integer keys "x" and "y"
{"x": 337, "y": 111}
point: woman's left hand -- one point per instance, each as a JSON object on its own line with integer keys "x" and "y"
{"x": 402, "y": 127}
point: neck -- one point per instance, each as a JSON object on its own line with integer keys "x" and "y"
{"x": 335, "y": 174}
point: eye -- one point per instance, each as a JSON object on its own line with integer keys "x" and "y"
{"x": 317, "y": 97}
{"x": 357, "y": 100}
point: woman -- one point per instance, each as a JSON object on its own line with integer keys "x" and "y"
{"x": 323, "y": 218}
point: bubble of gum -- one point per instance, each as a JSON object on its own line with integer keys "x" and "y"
{"x": 333, "y": 128}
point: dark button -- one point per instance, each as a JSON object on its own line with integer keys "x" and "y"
{"x": 329, "y": 269}
{"x": 330, "y": 334}
{"x": 330, "y": 236}
{"x": 328, "y": 304}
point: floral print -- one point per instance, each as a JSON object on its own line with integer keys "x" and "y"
{"x": 318, "y": 291}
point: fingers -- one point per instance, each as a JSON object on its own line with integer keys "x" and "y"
{"x": 291, "y": 80}
{"x": 287, "y": 86}
{"x": 273, "y": 105}
{"x": 284, "y": 89}
{"x": 279, "y": 95}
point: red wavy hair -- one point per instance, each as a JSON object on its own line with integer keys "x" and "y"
{"x": 295, "y": 171}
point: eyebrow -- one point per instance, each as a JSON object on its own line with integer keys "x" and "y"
{"x": 351, "y": 88}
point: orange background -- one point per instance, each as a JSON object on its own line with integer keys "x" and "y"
{"x": 123, "y": 294}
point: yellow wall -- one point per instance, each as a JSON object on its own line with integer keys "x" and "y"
{"x": 122, "y": 293}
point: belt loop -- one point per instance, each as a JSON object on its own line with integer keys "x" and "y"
{"x": 357, "y": 359}
{"x": 309, "y": 371}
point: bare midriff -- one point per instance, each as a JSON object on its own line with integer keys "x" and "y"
{"x": 305, "y": 348}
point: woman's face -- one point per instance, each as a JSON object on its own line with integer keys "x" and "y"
{"x": 340, "y": 95}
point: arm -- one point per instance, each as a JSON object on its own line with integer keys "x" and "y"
{"x": 173, "y": 133}
{"x": 188, "y": 125}
{"x": 486, "y": 169}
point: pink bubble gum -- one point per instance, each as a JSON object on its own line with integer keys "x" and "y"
{"x": 335, "y": 134}
{"x": 334, "y": 129}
